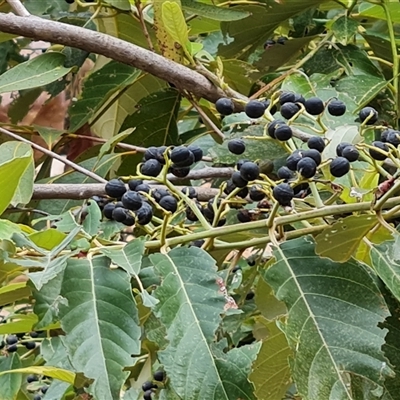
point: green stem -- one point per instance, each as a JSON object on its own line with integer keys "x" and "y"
{"x": 394, "y": 54}
{"x": 318, "y": 201}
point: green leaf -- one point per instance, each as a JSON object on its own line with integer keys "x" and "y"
{"x": 20, "y": 324}
{"x": 11, "y": 173}
{"x": 213, "y": 12}
{"x": 332, "y": 325}
{"x": 345, "y": 133}
{"x": 344, "y": 29}
{"x": 174, "y": 22}
{"x": 13, "y": 292}
{"x": 47, "y": 239}
{"x": 36, "y": 72}
{"x": 340, "y": 240}
{"x": 99, "y": 89}
{"x": 271, "y": 372}
{"x": 100, "y": 321}
{"x": 268, "y": 305}
{"x": 10, "y": 383}
{"x": 120, "y": 4}
{"x": 7, "y": 229}
{"x": 190, "y": 307}
{"x": 111, "y": 143}
{"x": 377, "y": 11}
{"x": 49, "y": 135}
{"x": 53, "y": 372}
{"x": 91, "y": 224}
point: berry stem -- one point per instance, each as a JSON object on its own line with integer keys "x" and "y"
{"x": 317, "y": 198}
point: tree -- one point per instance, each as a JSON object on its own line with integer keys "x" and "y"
{"x": 226, "y": 226}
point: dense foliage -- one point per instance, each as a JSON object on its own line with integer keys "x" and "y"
{"x": 230, "y": 238}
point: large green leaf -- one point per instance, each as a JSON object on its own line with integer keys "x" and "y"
{"x": 213, "y": 12}
{"x": 36, "y": 72}
{"x": 190, "y": 307}
{"x": 332, "y": 325}
{"x": 271, "y": 373}
{"x": 378, "y": 12}
{"x": 13, "y": 292}
{"x": 101, "y": 323}
{"x": 99, "y": 89}
{"x": 10, "y": 383}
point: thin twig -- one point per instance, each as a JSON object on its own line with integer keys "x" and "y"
{"x": 18, "y": 8}
{"x": 51, "y": 154}
{"x": 143, "y": 23}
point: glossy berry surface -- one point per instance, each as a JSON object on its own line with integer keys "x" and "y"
{"x": 12, "y": 349}
{"x": 293, "y": 159}
{"x": 30, "y": 345}
{"x": 159, "y": 376}
{"x": 11, "y": 339}
{"x": 249, "y": 171}
{"x": 254, "y": 109}
{"x": 243, "y": 216}
{"x": 179, "y": 172}
{"x": 340, "y": 166}
{"x": 180, "y": 154}
{"x": 314, "y": 106}
{"x": 196, "y": 151}
{"x": 134, "y": 183}
{"x": 284, "y": 173}
{"x": 119, "y": 214}
{"x": 236, "y": 146}
{"x": 336, "y": 108}
{"x": 190, "y": 192}
{"x": 272, "y": 109}
{"x": 144, "y": 214}
{"x": 316, "y": 143}
{"x": 238, "y": 180}
{"x": 37, "y": 397}
{"x": 151, "y": 153}
{"x": 314, "y": 154}
{"x": 283, "y": 194}
{"x": 376, "y": 154}
{"x": 129, "y": 219}
{"x": 159, "y": 193}
{"x": 169, "y": 203}
{"x": 224, "y": 106}
{"x": 283, "y": 132}
{"x": 132, "y": 200}
{"x": 393, "y": 138}
{"x": 340, "y": 147}
{"x": 307, "y": 167}
{"x": 144, "y": 187}
{"x": 32, "y": 378}
{"x": 287, "y": 97}
{"x": 147, "y": 395}
{"x": 272, "y": 127}
{"x": 148, "y": 385}
{"x": 151, "y": 168}
{"x": 115, "y": 188}
{"x": 368, "y": 112}
{"x": 256, "y": 194}
{"x": 350, "y": 153}
{"x": 289, "y": 110}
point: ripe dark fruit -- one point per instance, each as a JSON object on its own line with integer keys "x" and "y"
{"x": 314, "y": 106}
{"x": 273, "y": 109}
{"x": 368, "y": 112}
{"x": 375, "y": 154}
{"x": 268, "y": 43}
{"x": 317, "y": 143}
{"x": 119, "y": 214}
{"x": 298, "y": 98}
{"x": 115, "y": 188}
{"x": 293, "y": 159}
{"x": 32, "y": 378}
{"x": 158, "y": 194}
{"x": 190, "y": 215}
{"x": 238, "y": 180}
{"x": 236, "y": 146}
{"x": 254, "y": 109}
{"x": 198, "y": 243}
{"x": 148, "y": 385}
{"x": 11, "y": 339}
{"x": 70, "y": 1}
{"x": 393, "y": 138}
{"x": 288, "y": 110}
{"x": 160, "y": 154}
{"x": 197, "y": 152}
{"x": 241, "y": 162}
{"x": 190, "y": 192}
{"x": 44, "y": 389}
{"x": 350, "y": 153}
{"x": 385, "y": 134}
{"x": 249, "y": 171}
{"x": 129, "y": 219}
{"x": 301, "y": 189}
{"x": 283, "y": 132}
{"x": 256, "y": 194}
{"x": 283, "y": 194}
{"x": 159, "y": 376}
{"x": 208, "y": 213}
{"x": 243, "y": 193}
{"x": 186, "y": 163}
{"x": 12, "y": 349}
{"x": 30, "y": 345}
{"x": 144, "y": 187}
{"x": 144, "y": 214}
{"x": 307, "y": 167}
{"x": 179, "y": 172}
{"x": 37, "y": 397}
{"x": 151, "y": 168}
{"x": 243, "y": 216}
{"x": 34, "y": 334}
{"x": 169, "y": 203}
{"x": 284, "y": 173}
{"x": 151, "y": 153}
{"x": 339, "y": 166}
{"x": 273, "y": 125}
{"x": 336, "y": 108}
{"x": 287, "y": 97}
{"x": 134, "y": 183}
{"x": 340, "y": 147}
{"x": 180, "y": 154}
{"x": 224, "y": 106}
{"x": 230, "y": 187}
{"x": 314, "y": 154}
{"x": 132, "y": 200}
{"x": 147, "y": 395}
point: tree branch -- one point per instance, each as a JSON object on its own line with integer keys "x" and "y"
{"x": 95, "y": 42}
{"x": 18, "y": 8}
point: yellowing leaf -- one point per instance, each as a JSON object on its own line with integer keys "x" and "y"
{"x": 53, "y": 372}
{"x": 174, "y": 22}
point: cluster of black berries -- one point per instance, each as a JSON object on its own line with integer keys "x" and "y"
{"x": 149, "y": 386}
{"x": 11, "y": 342}
{"x": 39, "y": 392}
{"x": 271, "y": 42}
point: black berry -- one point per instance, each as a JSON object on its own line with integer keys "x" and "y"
{"x": 314, "y": 106}
{"x": 134, "y": 183}
{"x": 256, "y": 194}
{"x": 283, "y": 132}
{"x": 144, "y": 187}
{"x": 238, "y": 180}
{"x": 190, "y": 215}
{"x": 283, "y": 194}
{"x": 129, "y": 219}
{"x": 314, "y": 154}
{"x": 187, "y": 162}
{"x": 307, "y": 167}
{"x": 169, "y": 203}
{"x": 273, "y": 109}
{"x": 159, "y": 376}
{"x": 254, "y": 109}
{"x": 159, "y": 193}
{"x": 284, "y": 173}
{"x": 339, "y": 166}
{"x": 317, "y": 143}
{"x": 115, "y": 188}
{"x": 198, "y": 243}
{"x": 368, "y": 112}
{"x": 147, "y": 395}
{"x": 151, "y": 153}
{"x": 32, "y": 378}
{"x": 44, "y": 389}
{"x": 37, "y": 397}
{"x": 12, "y": 349}
{"x": 224, "y": 106}
{"x": 236, "y": 146}
{"x": 286, "y": 97}
{"x": 30, "y": 345}
{"x": 336, "y": 108}
{"x": 375, "y": 154}
{"x": 340, "y": 147}
{"x": 190, "y": 192}
{"x": 241, "y": 162}
{"x": 151, "y": 168}
{"x": 281, "y": 40}
{"x": 273, "y": 125}
{"x": 197, "y": 152}
{"x": 34, "y": 334}
{"x": 293, "y": 159}
{"x": 350, "y": 153}
{"x": 298, "y": 98}
{"x": 179, "y": 154}
{"x": 11, "y": 339}
{"x": 249, "y": 171}
{"x": 288, "y": 110}
{"x": 243, "y": 193}
{"x": 144, "y": 214}
{"x": 148, "y": 385}
{"x": 179, "y": 172}
{"x": 119, "y": 214}
{"x": 268, "y": 43}
{"x": 243, "y": 216}
{"x": 132, "y": 200}
{"x": 393, "y": 138}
